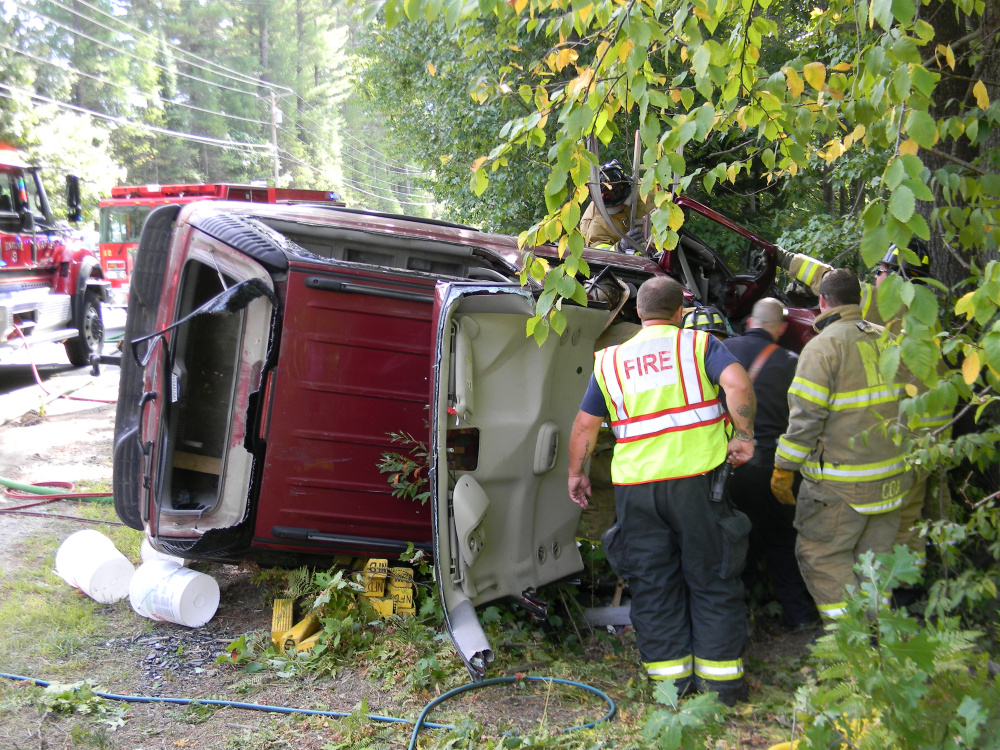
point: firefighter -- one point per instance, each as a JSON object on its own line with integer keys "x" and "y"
{"x": 771, "y": 369}
{"x": 681, "y": 552}
{"x": 852, "y": 487}
{"x": 811, "y": 272}
{"x": 618, "y": 197}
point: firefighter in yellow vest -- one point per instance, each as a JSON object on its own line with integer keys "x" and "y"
{"x": 618, "y": 197}
{"x": 854, "y": 478}
{"x": 681, "y": 546}
{"x": 811, "y": 272}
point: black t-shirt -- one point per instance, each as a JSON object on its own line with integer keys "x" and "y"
{"x": 772, "y": 383}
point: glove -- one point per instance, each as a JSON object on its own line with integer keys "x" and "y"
{"x": 781, "y": 485}
{"x": 784, "y": 258}
{"x": 636, "y": 235}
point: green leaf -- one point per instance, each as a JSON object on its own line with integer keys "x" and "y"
{"x": 888, "y": 362}
{"x": 701, "y": 58}
{"x": 925, "y": 305}
{"x": 991, "y": 348}
{"x": 558, "y": 322}
{"x": 874, "y": 243}
{"x": 919, "y": 356}
{"x": 480, "y": 180}
{"x": 895, "y": 174}
{"x": 921, "y": 127}
{"x": 887, "y": 296}
{"x": 902, "y": 203}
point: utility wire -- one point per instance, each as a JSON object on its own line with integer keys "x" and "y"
{"x": 129, "y": 89}
{"x": 234, "y": 75}
{"x": 406, "y": 168}
{"x": 352, "y": 184}
{"x": 388, "y": 182}
{"x": 207, "y": 140}
{"x": 129, "y": 54}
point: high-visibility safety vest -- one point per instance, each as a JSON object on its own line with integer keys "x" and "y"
{"x": 665, "y": 412}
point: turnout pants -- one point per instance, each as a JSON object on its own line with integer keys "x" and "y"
{"x": 832, "y": 535}
{"x": 683, "y": 555}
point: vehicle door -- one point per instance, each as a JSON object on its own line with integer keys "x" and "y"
{"x": 501, "y": 412}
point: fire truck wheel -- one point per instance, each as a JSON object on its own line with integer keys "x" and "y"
{"x": 90, "y": 339}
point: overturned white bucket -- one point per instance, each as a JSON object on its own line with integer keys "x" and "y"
{"x": 163, "y": 590}
{"x": 89, "y": 561}
{"x": 148, "y": 553}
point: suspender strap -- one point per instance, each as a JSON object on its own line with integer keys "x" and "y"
{"x": 759, "y": 362}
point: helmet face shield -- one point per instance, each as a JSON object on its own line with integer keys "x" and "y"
{"x": 615, "y": 184}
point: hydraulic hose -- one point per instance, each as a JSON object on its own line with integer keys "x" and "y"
{"x": 419, "y": 724}
{"x": 52, "y": 490}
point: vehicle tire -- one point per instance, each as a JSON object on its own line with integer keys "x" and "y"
{"x": 90, "y": 339}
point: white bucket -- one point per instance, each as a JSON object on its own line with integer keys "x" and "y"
{"x": 163, "y": 590}
{"x": 89, "y": 561}
{"x": 148, "y": 553}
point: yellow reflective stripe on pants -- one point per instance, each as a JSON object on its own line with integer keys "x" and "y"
{"x": 675, "y": 669}
{"x": 833, "y": 611}
{"x": 718, "y": 670}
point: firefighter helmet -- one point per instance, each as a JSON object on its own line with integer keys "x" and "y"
{"x": 905, "y": 268}
{"x": 707, "y": 319}
{"x": 615, "y": 184}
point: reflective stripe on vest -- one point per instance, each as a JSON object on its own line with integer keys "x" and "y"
{"x": 665, "y": 412}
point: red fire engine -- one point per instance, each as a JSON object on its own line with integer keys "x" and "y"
{"x": 125, "y": 212}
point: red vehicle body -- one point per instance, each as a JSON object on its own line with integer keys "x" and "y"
{"x": 123, "y": 214}
{"x": 272, "y": 351}
{"x": 51, "y": 285}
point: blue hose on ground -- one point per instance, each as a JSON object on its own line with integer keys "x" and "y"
{"x": 419, "y": 724}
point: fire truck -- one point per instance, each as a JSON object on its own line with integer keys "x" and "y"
{"x": 51, "y": 284}
{"x": 123, "y": 215}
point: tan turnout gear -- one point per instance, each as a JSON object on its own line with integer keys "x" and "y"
{"x": 838, "y": 405}
{"x": 597, "y": 233}
{"x": 810, "y": 272}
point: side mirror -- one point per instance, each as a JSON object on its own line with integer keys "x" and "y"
{"x": 27, "y": 219}
{"x": 74, "y": 204}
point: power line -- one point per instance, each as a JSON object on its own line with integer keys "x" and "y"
{"x": 406, "y": 167}
{"x": 207, "y": 140}
{"x": 386, "y": 182}
{"x": 352, "y": 184}
{"x": 129, "y": 89}
{"x": 129, "y": 54}
{"x": 234, "y": 75}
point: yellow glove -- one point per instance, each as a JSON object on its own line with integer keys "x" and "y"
{"x": 781, "y": 485}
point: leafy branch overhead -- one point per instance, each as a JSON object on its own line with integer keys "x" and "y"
{"x": 802, "y": 91}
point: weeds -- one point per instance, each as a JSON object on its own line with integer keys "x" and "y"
{"x": 407, "y": 473}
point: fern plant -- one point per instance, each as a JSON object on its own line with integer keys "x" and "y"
{"x": 885, "y": 681}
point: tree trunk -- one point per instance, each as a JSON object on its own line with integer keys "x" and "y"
{"x": 948, "y": 264}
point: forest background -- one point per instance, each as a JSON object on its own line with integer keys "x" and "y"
{"x": 836, "y": 130}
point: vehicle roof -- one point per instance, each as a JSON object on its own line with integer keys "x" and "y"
{"x": 11, "y": 157}
{"x": 504, "y": 246}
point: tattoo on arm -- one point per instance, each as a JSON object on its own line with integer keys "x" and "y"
{"x": 585, "y": 456}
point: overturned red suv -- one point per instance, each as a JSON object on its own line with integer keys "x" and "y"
{"x": 272, "y": 351}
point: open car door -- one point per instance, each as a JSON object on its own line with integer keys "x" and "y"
{"x": 501, "y": 412}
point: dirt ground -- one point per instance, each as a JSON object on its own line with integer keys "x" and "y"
{"x": 134, "y": 656}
